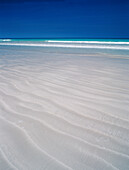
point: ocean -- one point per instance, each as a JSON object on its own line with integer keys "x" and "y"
{"x": 120, "y": 44}
{"x": 111, "y": 46}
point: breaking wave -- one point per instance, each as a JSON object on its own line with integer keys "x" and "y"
{"x": 70, "y": 45}
{"x": 5, "y": 40}
{"x": 90, "y": 42}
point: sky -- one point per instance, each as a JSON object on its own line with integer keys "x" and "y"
{"x": 64, "y": 18}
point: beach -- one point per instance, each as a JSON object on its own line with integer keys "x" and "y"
{"x": 64, "y": 108}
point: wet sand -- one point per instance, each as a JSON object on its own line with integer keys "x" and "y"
{"x": 63, "y": 111}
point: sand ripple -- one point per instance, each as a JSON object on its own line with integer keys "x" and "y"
{"x": 63, "y": 112}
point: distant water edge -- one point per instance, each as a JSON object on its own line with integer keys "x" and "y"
{"x": 63, "y": 39}
{"x": 117, "y": 44}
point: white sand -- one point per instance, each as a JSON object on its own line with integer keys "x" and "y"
{"x": 63, "y": 111}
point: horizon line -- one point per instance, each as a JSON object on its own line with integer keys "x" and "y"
{"x": 57, "y": 38}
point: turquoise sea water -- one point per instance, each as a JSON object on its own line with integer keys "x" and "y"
{"x": 43, "y": 39}
{"x": 115, "y": 46}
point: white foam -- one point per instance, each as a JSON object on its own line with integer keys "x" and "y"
{"x": 89, "y": 42}
{"x": 69, "y": 46}
{"x": 6, "y": 40}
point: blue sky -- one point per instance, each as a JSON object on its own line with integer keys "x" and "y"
{"x": 64, "y": 18}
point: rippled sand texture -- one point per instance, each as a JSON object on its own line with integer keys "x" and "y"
{"x": 63, "y": 111}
